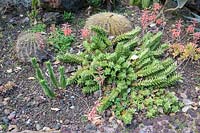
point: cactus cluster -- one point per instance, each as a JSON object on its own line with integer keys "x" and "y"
{"x": 114, "y": 24}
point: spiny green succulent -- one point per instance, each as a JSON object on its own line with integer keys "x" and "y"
{"x": 113, "y": 23}
{"x": 30, "y": 45}
{"x": 127, "y": 74}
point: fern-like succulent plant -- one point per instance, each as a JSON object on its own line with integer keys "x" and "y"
{"x": 113, "y": 23}
{"x": 30, "y": 45}
{"x": 133, "y": 65}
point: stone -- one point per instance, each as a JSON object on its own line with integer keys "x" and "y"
{"x": 72, "y": 107}
{"x": 67, "y": 121}
{"x": 108, "y": 113}
{"x": 192, "y": 113}
{"x": 108, "y": 129}
{"x": 1, "y": 128}
{"x": 57, "y": 126}
{"x": 90, "y": 127}
{"x": 97, "y": 94}
{"x": 25, "y": 20}
{"x": 5, "y": 120}
{"x": 185, "y": 109}
{"x": 183, "y": 95}
{"x": 12, "y": 115}
{"x": 146, "y": 129}
{"x": 46, "y": 129}
{"x": 28, "y": 121}
{"x": 38, "y": 127}
{"x": 187, "y": 101}
{"x": 7, "y": 111}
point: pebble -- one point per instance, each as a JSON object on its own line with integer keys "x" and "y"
{"x": 12, "y": 115}
{"x": 185, "y": 109}
{"x": 109, "y": 129}
{"x": 72, "y": 107}
{"x": 67, "y": 121}
{"x": 90, "y": 127}
{"x": 187, "y": 101}
{"x": 57, "y": 126}
{"x": 7, "y": 111}
{"x": 25, "y": 20}
{"x": 38, "y": 127}
{"x": 192, "y": 113}
{"x": 1, "y": 128}
{"x": 183, "y": 95}
{"x": 5, "y": 120}
{"x": 97, "y": 94}
{"x": 46, "y": 129}
{"x": 108, "y": 113}
{"x": 28, "y": 121}
{"x": 147, "y": 129}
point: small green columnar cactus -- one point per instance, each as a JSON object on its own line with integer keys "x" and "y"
{"x": 62, "y": 78}
{"x": 51, "y": 74}
{"x": 42, "y": 80}
{"x": 46, "y": 89}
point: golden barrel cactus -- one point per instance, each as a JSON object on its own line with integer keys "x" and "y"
{"x": 30, "y": 45}
{"x": 114, "y": 23}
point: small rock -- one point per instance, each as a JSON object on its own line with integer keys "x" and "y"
{"x": 90, "y": 127}
{"x": 187, "y": 101}
{"x": 65, "y": 130}
{"x": 185, "y": 109}
{"x": 109, "y": 129}
{"x": 192, "y": 113}
{"x": 57, "y": 126}
{"x": 28, "y": 121}
{"x": 25, "y": 20}
{"x": 108, "y": 113}
{"x": 97, "y": 94}
{"x": 21, "y": 15}
{"x": 46, "y": 129}
{"x": 7, "y": 111}
{"x": 38, "y": 127}
{"x": 6, "y": 99}
{"x": 12, "y": 128}
{"x": 67, "y": 121}
{"x": 1, "y": 128}
{"x": 72, "y": 107}
{"x": 5, "y": 120}
{"x": 183, "y": 95}
{"x": 9, "y": 71}
{"x": 147, "y": 129}
{"x": 12, "y": 115}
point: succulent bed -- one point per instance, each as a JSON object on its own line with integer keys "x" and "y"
{"x": 110, "y": 75}
{"x": 128, "y": 71}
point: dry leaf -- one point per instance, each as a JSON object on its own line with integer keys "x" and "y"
{"x": 31, "y": 78}
{"x": 56, "y": 62}
{"x": 9, "y": 71}
{"x": 55, "y": 109}
{"x": 6, "y": 87}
